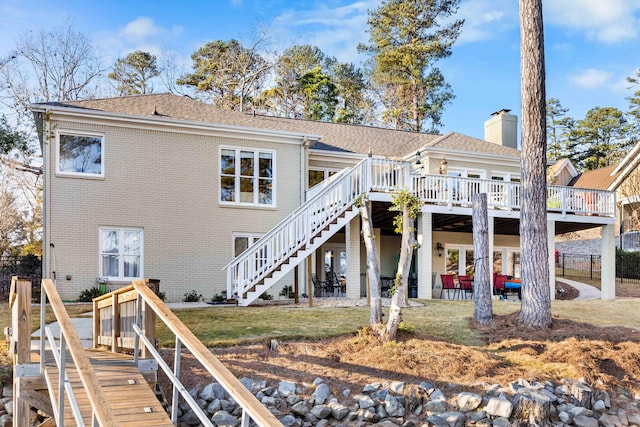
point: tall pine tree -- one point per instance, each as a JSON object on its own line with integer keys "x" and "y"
{"x": 407, "y": 38}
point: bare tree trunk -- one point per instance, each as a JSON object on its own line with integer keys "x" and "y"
{"x": 372, "y": 264}
{"x": 483, "y": 310}
{"x": 399, "y": 298}
{"x": 536, "y": 299}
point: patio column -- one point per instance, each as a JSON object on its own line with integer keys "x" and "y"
{"x": 352, "y": 243}
{"x": 551, "y": 245}
{"x": 505, "y": 261}
{"x": 424, "y": 259}
{"x": 491, "y": 223}
{"x": 608, "y": 263}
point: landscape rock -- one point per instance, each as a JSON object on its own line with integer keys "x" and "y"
{"x": 321, "y": 411}
{"x": 290, "y": 421}
{"x": 286, "y": 388}
{"x": 301, "y": 408}
{"x": 321, "y": 394}
{"x": 469, "y": 401}
{"x": 224, "y": 419}
{"x": 499, "y": 408}
{"x": 585, "y": 421}
{"x": 395, "y": 404}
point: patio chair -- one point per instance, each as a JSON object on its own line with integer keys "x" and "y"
{"x": 499, "y": 283}
{"x": 318, "y": 286}
{"x": 448, "y": 285}
{"x": 465, "y": 285}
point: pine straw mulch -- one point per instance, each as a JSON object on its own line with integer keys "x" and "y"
{"x": 608, "y": 358}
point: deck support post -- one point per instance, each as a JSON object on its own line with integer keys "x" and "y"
{"x": 425, "y": 255}
{"x": 551, "y": 247}
{"x": 20, "y": 301}
{"x": 352, "y": 243}
{"x": 608, "y": 263}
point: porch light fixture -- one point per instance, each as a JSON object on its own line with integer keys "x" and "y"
{"x": 439, "y": 248}
{"x": 418, "y": 158}
{"x": 444, "y": 166}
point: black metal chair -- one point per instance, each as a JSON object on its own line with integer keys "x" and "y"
{"x": 319, "y": 286}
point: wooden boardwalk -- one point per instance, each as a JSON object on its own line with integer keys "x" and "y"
{"x": 130, "y": 396}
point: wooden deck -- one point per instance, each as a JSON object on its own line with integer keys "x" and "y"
{"x": 130, "y": 396}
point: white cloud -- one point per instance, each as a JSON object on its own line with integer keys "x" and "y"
{"x": 590, "y": 79}
{"x": 610, "y": 21}
{"x": 336, "y": 31}
{"x": 140, "y": 34}
{"x": 486, "y": 19}
{"x": 139, "y": 29}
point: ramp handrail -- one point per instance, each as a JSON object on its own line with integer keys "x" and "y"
{"x": 249, "y": 403}
{"x": 102, "y": 412}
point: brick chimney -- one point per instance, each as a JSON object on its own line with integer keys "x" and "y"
{"x": 502, "y": 129}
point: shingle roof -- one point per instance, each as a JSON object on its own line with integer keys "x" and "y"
{"x": 334, "y": 136}
{"x": 598, "y": 179}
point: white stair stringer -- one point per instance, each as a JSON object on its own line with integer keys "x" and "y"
{"x": 289, "y": 264}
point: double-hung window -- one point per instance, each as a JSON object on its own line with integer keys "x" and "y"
{"x": 80, "y": 154}
{"x": 121, "y": 253}
{"x": 247, "y": 176}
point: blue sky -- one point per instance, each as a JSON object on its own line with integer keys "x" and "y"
{"x": 591, "y": 45}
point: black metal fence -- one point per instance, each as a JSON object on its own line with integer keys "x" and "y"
{"x": 589, "y": 266}
{"x": 29, "y": 266}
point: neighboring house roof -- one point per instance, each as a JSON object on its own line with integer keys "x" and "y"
{"x": 598, "y": 179}
{"x": 610, "y": 177}
{"x": 334, "y": 136}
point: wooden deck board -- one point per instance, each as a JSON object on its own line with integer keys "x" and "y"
{"x": 128, "y": 401}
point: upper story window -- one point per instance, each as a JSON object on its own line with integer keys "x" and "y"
{"x": 80, "y": 154}
{"x": 121, "y": 253}
{"x": 247, "y": 177}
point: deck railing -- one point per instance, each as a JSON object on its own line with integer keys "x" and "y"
{"x": 252, "y": 409}
{"x": 383, "y": 175}
{"x": 457, "y": 191}
{"x": 114, "y": 315}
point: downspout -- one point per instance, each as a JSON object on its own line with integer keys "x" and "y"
{"x": 46, "y": 196}
{"x": 304, "y": 168}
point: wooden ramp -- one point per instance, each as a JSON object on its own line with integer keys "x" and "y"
{"x": 108, "y": 388}
{"x": 129, "y": 395}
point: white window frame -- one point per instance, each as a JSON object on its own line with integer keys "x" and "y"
{"x": 86, "y": 134}
{"x": 507, "y": 176}
{"x": 256, "y": 190}
{"x": 121, "y": 255}
{"x": 253, "y": 237}
{"x": 327, "y": 173}
{"x": 464, "y": 172}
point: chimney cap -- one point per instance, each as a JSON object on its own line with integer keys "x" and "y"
{"x": 503, "y": 111}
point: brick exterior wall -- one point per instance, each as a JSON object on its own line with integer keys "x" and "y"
{"x": 166, "y": 183}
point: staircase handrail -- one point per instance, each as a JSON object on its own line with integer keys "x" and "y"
{"x": 294, "y": 214}
{"x": 296, "y": 230}
{"x": 102, "y": 412}
{"x": 251, "y": 406}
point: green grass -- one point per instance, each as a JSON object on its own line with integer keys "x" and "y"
{"x": 74, "y": 310}
{"x": 441, "y": 320}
